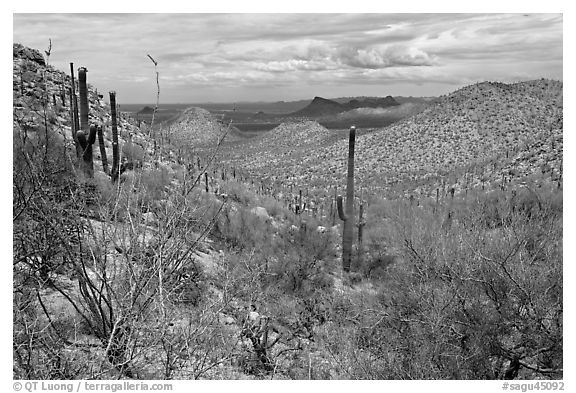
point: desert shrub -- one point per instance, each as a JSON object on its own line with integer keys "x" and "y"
{"x": 464, "y": 298}
{"x": 238, "y": 192}
{"x": 189, "y": 285}
{"x": 48, "y": 205}
{"x": 274, "y": 208}
{"x": 304, "y": 262}
{"x": 155, "y": 184}
{"x": 133, "y": 153}
{"x": 300, "y": 273}
{"x": 242, "y": 229}
{"x": 377, "y": 249}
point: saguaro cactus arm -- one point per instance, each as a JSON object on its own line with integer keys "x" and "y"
{"x": 92, "y": 135}
{"x": 86, "y": 145}
{"x": 341, "y": 212}
{"x": 81, "y": 136}
{"x": 103, "y": 156}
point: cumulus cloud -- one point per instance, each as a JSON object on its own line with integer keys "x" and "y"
{"x": 294, "y": 65}
{"x": 382, "y": 57}
{"x": 312, "y": 54}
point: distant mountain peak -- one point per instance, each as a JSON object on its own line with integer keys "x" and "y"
{"x": 324, "y": 107}
{"x": 146, "y": 110}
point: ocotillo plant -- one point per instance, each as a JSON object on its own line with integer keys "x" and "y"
{"x": 348, "y": 215}
{"x": 115, "y": 148}
{"x": 86, "y": 144}
{"x": 102, "y": 149}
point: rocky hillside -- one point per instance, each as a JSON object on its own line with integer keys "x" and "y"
{"x": 273, "y": 156}
{"x": 198, "y": 127}
{"x": 41, "y": 94}
{"x": 471, "y": 137}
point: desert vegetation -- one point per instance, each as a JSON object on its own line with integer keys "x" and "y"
{"x": 182, "y": 251}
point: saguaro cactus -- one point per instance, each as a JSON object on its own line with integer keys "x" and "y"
{"x": 86, "y": 144}
{"x": 347, "y": 215}
{"x": 102, "y": 149}
{"x": 115, "y": 148}
{"x": 83, "y": 88}
{"x": 75, "y": 126}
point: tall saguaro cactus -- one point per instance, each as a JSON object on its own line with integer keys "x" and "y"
{"x": 85, "y": 129}
{"x": 83, "y": 88}
{"x": 75, "y": 126}
{"x": 347, "y": 215}
{"x": 115, "y": 148}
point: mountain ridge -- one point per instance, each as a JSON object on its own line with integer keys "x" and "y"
{"x": 324, "y": 107}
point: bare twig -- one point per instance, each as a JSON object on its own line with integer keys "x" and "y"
{"x": 157, "y": 94}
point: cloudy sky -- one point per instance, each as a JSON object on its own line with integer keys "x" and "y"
{"x": 252, "y": 57}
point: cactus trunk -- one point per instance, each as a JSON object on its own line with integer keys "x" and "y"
{"x": 75, "y": 126}
{"x": 85, "y": 129}
{"x": 102, "y": 149}
{"x": 83, "y": 92}
{"x": 347, "y": 215}
{"x": 115, "y": 147}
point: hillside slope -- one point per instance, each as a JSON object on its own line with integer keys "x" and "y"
{"x": 198, "y": 127}
{"x": 463, "y": 131}
{"x": 41, "y": 90}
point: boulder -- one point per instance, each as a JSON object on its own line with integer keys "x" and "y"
{"x": 149, "y": 218}
{"x": 260, "y": 212}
